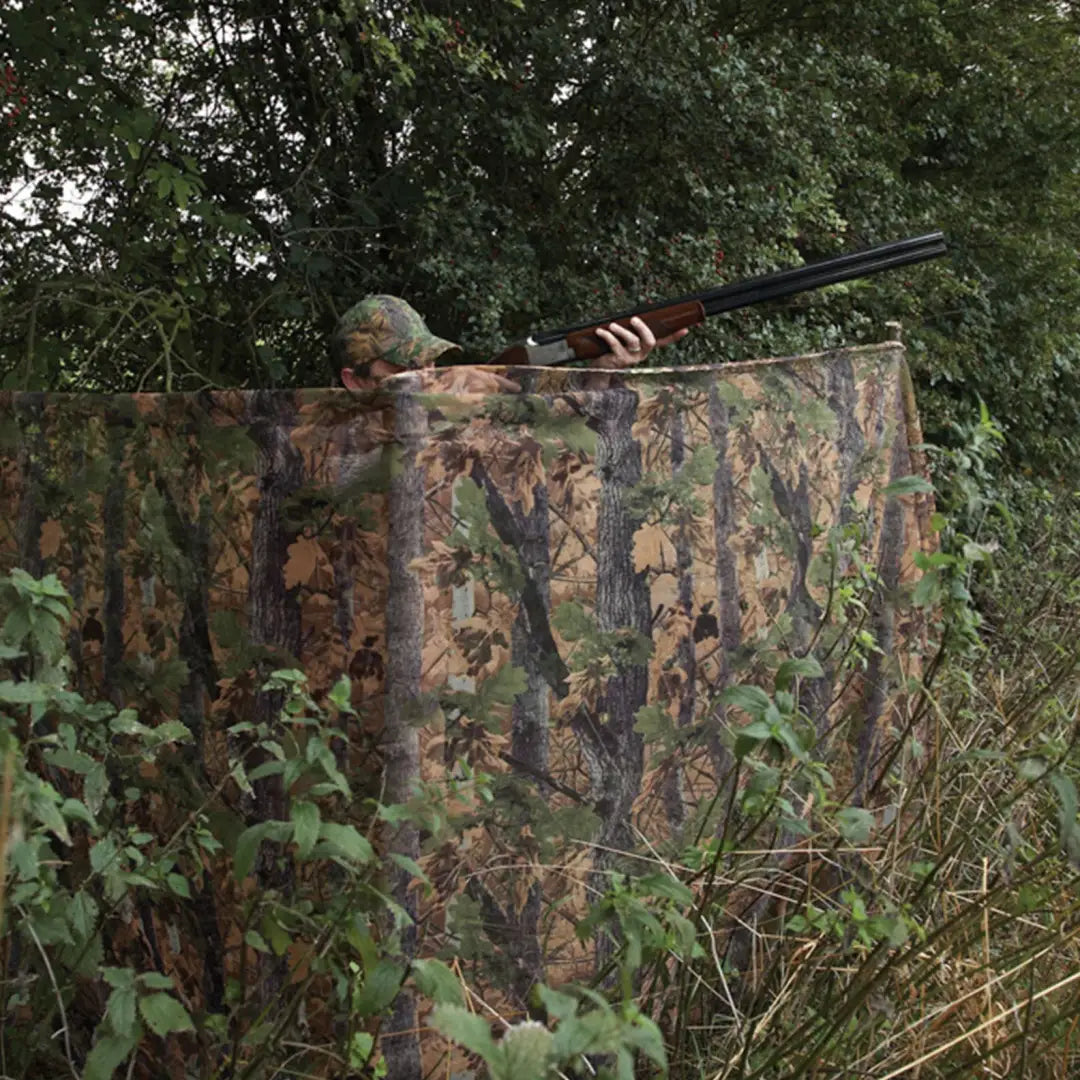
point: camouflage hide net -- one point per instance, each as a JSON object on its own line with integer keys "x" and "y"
{"x": 550, "y": 589}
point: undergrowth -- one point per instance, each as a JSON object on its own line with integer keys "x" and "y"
{"x": 925, "y": 927}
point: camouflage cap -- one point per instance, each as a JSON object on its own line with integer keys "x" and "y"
{"x": 385, "y": 327}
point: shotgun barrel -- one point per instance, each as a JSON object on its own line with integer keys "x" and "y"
{"x": 580, "y": 341}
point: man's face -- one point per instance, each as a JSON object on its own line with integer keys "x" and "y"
{"x": 378, "y": 370}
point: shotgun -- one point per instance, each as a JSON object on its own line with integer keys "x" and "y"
{"x": 549, "y": 347}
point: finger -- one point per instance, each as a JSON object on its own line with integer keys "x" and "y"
{"x": 633, "y": 349}
{"x": 644, "y": 332}
{"x": 616, "y": 357}
{"x": 626, "y": 336}
{"x": 672, "y": 338}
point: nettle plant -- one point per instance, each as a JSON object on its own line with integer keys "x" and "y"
{"x": 75, "y": 859}
{"x": 81, "y": 860}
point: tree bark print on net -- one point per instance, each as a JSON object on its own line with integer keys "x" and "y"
{"x": 516, "y": 923}
{"x": 613, "y": 750}
{"x": 401, "y": 741}
{"x": 575, "y": 531}
{"x": 275, "y": 624}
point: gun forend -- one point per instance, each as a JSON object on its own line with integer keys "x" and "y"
{"x": 662, "y": 321}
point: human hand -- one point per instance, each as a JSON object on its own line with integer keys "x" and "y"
{"x": 631, "y": 347}
{"x": 463, "y": 379}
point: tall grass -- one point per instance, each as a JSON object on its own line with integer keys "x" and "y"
{"x": 948, "y": 944}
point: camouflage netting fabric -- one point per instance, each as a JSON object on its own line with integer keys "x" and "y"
{"x": 550, "y": 589}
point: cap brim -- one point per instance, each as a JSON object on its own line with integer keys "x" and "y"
{"x": 435, "y": 348}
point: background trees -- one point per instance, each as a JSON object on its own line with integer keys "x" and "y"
{"x": 196, "y": 188}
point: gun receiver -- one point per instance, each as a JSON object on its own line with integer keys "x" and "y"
{"x": 550, "y": 347}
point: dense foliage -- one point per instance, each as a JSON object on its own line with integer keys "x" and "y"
{"x": 197, "y": 188}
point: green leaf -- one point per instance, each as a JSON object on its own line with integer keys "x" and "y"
{"x": 107, "y": 1054}
{"x": 16, "y": 627}
{"x": 170, "y": 731}
{"x": 363, "y": 1042}
{"x": 63, "y": 758}
{"x": 341, "y": 694}
{"x": 164, "y": 1014}
{"x": 280, "y": 939}
{"x": 181, "y": 191}
{"x": 155, "y": 980}
{"x": 1033, "y": 768}
{"x": 267, "y": 768}
{"x": 1066, "y": 793}
{"x": 256, "y": 941}
{"x": 22, "y": 693}
{"x": 247, "y": 848}
{"x": 572, "y": 621}
{"x": 928, "y": 590}
{"x": 82, "y": 915}
{"x": 436, "y": 981}
{"x": 645, "y": 1036}
{"x": 74, "y": 810}
{"x": 178, "y": 884}
{"x": 652, "y": 721}
{"x": 785, "y": 734}
{"x": 117, "y": 977}
{"x": 664, "y": 885}
{"x": 804, "y": 666}
{"x": 120, "y": 1010}
{"x": 410, "y": 866}
{"x": 558, "y": 1005}
{"x": 464, "y": 1028}
{"x": 505, "y": 685}
{"x": 908, "y": 485}
{"x": 103, "y": 854}
{"x": 95, "y": 788}
{"x": 379, "y": 989}
{"x": 285, "y": 679}
{"x": 48, "y": 813}
{"x": 757, "y": 730}
{"x": 855, "y": 825}
{"x": 126, "y": 722}
{"x": 1067, "y": 797}
{"x": 347, "y": 840}
{"x": 751, "y": 699}
{"x": 24, "y": 857}
{"x": 306, "y": 821}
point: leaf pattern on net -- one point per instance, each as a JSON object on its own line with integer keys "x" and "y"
{"x": 835, "y": 421}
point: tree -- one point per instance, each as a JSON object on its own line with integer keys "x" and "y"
{"x": 244, "y": 174}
